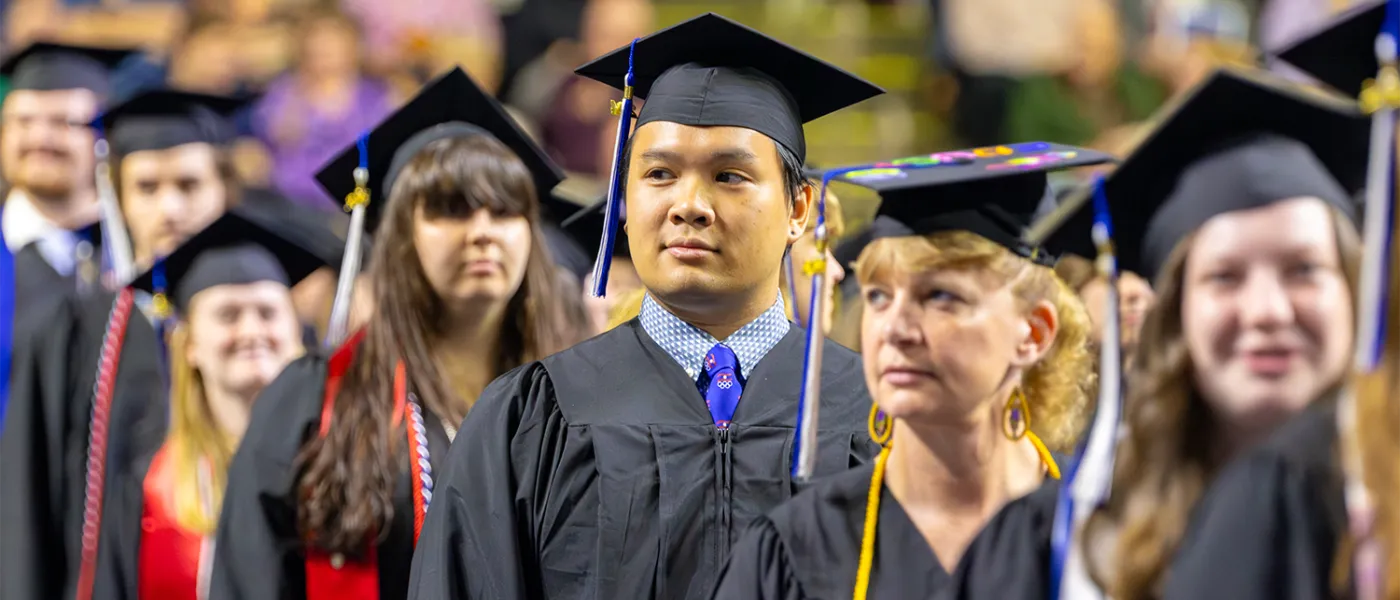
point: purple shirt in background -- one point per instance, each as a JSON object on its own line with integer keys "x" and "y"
{"x": 294, "y": 164}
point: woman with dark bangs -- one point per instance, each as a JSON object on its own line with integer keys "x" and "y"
{"x": 327, "y": 493}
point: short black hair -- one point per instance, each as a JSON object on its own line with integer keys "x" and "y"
{"x": 793, "y": 180}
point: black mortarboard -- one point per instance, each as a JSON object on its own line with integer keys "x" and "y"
{"x": 586, "y": 228}
{"x": 1240, "y": 140}
{"x": 238, "y": 248}
{"x": 992, "y": 192}
{"x": 163, "y": 119}
{"x": 451, "y": 106}
{"x": 1343, "y": 53}
{"x": 45, "y": 66}
{"x": 712, "y": 71}
{"x": 567, "y": 251}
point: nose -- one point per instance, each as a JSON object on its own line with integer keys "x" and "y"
{"x": 171, "y": 204}
{"x": 1264, "y": 302}
{"x": 898, "y": 323}
{"x": 481, "y": 227}
{"x": 834, "y": 270}
{"x": 694, "y": 207}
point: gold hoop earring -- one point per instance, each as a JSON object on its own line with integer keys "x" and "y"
{"x": 1016, "y": 416}
{"x": 881, "y": 426}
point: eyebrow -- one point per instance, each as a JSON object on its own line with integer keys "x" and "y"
{"x": 728, "y": 155}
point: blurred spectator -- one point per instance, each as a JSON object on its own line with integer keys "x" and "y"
{"x": 413, "y": 43}
{"x": 577, "y": 127}
{"x": 532, "y": 29}
{"x": 310, "y": 113}
{"x": 233, "y": 46}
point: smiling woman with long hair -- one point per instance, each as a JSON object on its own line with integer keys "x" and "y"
{"x": 1237, "y": 207}
{"x": 977, "y": 357}
{"x": 328, "y": 493}
{"x": 236, "y": 329}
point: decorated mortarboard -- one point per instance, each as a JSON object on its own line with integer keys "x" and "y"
{"x": 242, "y": 246}
{"x": 993, "y": 192}
{"x": 1240, "y": 140}
{"x": 452, "y": 106}
{"x": 710, "y": 71}
{"x": 164, "y": 119}
{"x": 44, "y": 66}
{"x": 363, "y": 175}
{"x": 1342, "y": 54}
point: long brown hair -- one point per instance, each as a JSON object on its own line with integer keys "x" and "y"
{"x": 349, "y": 475}
{"x": 1166, "y": 459}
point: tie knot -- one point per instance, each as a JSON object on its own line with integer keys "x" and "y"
{"x": 720, "y": 357}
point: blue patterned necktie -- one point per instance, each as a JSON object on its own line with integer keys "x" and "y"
{"x": 723, "y": 388}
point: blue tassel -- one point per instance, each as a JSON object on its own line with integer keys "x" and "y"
{"x": 1089, "y": 480}
{"x": 612, "y": 214}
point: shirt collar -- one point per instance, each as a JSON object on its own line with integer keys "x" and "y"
{"x": 23, "y": 223}
{"x": 688, "y": 344}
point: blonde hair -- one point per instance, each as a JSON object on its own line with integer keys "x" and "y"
{"x": 195, "y": 437}
{"x": 195, "y": 442}
{"x": 1055, "y": 387}
{"x": 627, "y": 308}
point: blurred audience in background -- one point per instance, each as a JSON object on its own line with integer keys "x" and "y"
{"x": 959, "y": 72}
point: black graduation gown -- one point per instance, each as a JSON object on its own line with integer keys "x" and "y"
{"x": 599, "y": 473}
{"x": 117, "y": 567}
{"x": 259, "y": 553}
{"x": 43, "y": 451}
{"x": 1268, "y": 525}
{"x": 1010, "y": 558}
{"x": 809, "y": 548}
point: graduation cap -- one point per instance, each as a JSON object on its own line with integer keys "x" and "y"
{"x": 1343, "y": 53}
{"x": 242, "y": 246}
{"x": 712, "y": 71}
{"x": 45, "y": 66}
{"x": 164, "y": 119}
{"x": 449, "y": 107}
{"x": 452, "y": 106}
{"x": 992, "y": 192}
{"x": 586, "y": 228}
{"x": 568, "y": 252}
{"x": 1240, "y": 140}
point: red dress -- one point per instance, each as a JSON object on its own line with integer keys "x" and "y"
{"x": 169, "y": 554}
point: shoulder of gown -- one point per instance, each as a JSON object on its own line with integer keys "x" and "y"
{"x": 1010, "y": 558}
{"x": 257, "y": 555}
{"x": 798, "y": 548}
{"x": 34, "y": 476}
{"x": 1268, "y": 524}
{"x": 496, "y": 473}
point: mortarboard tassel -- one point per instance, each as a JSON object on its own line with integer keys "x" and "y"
{"x": 1380, "y": 97}
{"x": 1090, "y": 479}
{"x": 804, "y": 460}
{"x": 357, "y": 201}
{"x": 116, "y": 246}
{"x": 612, "y": 212}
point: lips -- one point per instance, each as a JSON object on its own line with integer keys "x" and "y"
{"x": 1269, "y": 362}
{"x": 904, "y": 376}
{"x": 690, "y": 249}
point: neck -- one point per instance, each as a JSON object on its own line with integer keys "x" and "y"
{"x": 73, "y": 211}
{"x": 720, "y": 317}
{"x": 966, "y": 468}
{"x": 230, "y": 409}
{"x": 467, "y": 352}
